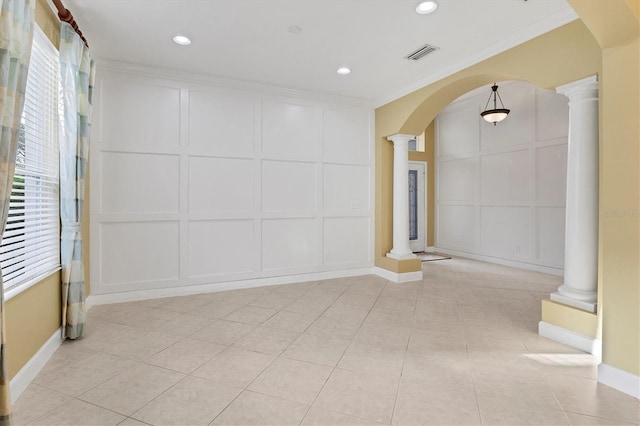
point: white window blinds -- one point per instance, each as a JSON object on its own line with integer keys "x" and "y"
{"x": 31, "y": 241}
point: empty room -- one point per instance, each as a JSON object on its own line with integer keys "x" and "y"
{"x": 348, "y": 212}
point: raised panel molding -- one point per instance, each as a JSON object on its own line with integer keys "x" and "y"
{"x": 505, "y": 178}
{"x": 504, "y": 202}
{"x": 457, "y": 227}
{"x": 344, "y": 134}
{"x": 204, "y": 184}
{"x": 289, "y": 129}
{"x": 220, "y": 185}
{"x": 139, "y": 183}
{"x": 221, "y": 121}
{"x": 342, "y": 189}
{"x": 132, "y": 252}
{"x": 151, "y": 115}
{"x": 340, "y": 250}
{"x": 506, "y": 232}
{"x": 289, "y": 186}
{"x": 458, "y": 125}
{"x": 457, "y": 180}
{"x": 289, "y": 244}
{"x": 219, "y": 247}
{"x": 551, "y": 174}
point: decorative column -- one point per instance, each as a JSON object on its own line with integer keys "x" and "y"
{"x": 401, "y": 248}
{"x": 580, "y": 288}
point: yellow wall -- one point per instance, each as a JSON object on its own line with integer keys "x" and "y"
{"x": 569, "y": 318}
{"x": 561, "y": 56}
{"x": 620, "y": 242}
{"x": 48, "y": 22}
{"x": 616, "y": 26}
{"x": 31, "y": 318}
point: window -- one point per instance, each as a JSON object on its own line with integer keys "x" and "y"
{"x": 417, "y": 144}
{"x": 30, "y": 245}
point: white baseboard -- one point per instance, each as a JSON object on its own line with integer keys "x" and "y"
{"x": 505, "y": 262}
{"x": 430, "y": 250}
{"x": 31, "y": 369}
{"x": 619, "y": 380}
{"x": 399, "y": 278}
{"x": 571, "y": 338}
{"x": 132, "y": 296}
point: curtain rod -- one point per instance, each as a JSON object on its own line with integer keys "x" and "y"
{"x": 65, "y": 16}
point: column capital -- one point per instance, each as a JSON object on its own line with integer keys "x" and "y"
{"x": 581, "y": 89}
{"x": 400, "y": 138}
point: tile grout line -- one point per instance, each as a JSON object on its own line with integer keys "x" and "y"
{"x": 338, "y": 362}
{"x": 246, "y": 388}
{"x": 341, "y": 356}
{"x": 404, "y": 359}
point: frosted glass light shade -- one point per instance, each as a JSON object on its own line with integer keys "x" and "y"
{"x": 495, "y": 115}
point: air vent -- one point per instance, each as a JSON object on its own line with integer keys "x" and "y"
{"x": 422, "y": 52}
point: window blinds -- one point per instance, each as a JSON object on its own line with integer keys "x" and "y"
{"x": 31, "y": 241}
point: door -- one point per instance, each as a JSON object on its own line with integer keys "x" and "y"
{"x": 417, "y": 206}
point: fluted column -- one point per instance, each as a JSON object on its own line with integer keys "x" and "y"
{"x": 401, "y": 248}
{"x": 581, "y": 236}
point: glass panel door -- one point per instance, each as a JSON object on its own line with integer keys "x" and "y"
{"x": 417, "y": 206}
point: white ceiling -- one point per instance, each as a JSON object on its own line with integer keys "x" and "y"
{"x": 249, "y": 39}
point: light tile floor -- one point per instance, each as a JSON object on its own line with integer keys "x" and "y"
{"x": 459, "y": 347}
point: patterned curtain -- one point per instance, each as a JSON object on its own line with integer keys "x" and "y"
{"x": 77, "y": 76}
{"x": 16, "y": 35}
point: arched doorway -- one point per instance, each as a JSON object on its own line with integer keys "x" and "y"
{"x": 603, "y": 42}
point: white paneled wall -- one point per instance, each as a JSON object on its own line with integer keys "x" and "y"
{"x": 501, "y": 189}
{"x": 195, "y": 183}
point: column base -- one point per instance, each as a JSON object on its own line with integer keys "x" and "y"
{"x": 404, "y": 256}
{"x": 580, "y": 304}
{"x": 399, "y": 278}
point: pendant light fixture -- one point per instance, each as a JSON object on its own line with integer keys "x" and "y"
{"x": 496, "y": 114}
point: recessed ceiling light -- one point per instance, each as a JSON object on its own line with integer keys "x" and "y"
{"x": 426, "y": 7}
{"x": 182, "y": 40}
{"x": 344, "y": 71}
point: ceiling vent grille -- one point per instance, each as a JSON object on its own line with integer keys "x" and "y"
{"x": 421, "y": 52}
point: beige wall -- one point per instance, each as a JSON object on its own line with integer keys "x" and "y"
{"x": 569, "y": 318}
{"x": 35, "y": 314}
{"x": 48, "y": 22}
{"x": 31, "y": 318}
{"x": 620, "y": 236}
{"x": 616, "y": 26}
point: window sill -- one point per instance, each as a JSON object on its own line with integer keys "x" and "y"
{"x": 16, "y": 290}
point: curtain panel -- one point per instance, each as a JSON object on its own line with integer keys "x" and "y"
{"x": 16, "y": 35}
{"x": 77, "y": 71}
